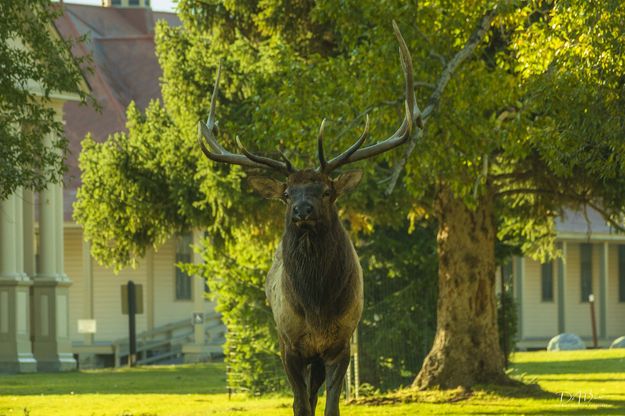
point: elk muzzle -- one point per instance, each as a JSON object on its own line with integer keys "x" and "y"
{"x": 303, "y": 213}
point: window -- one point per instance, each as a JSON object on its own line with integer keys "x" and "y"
{"x": 133, "y": 2}
{"x": 116, "y": 2}
{"x": 147, "y": 3}
{"x": 586, "y": 271}
{"x": 621, "y": 273}
{"x": 183, "y": 255}
{"x": 546, "y": 276}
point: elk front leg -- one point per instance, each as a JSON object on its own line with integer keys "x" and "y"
{"x": 296, "y": 371}
{"x": 336, "y": 367}
{"x": 316, "y": 378}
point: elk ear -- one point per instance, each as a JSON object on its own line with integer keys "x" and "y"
{"x": 267, "y": 187}
{"x": 347, "y": 181}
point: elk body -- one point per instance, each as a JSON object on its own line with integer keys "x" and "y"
{"x": 315, "y": 286}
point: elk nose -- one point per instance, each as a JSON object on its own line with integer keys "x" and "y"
{"x": 302, "y": 211}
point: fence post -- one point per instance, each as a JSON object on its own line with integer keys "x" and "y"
{"x": 348, "y": 381}
{"x": 356, "y": 365}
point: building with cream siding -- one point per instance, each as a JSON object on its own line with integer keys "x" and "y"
{"x": 176, "y": 321}
{"x": 59, "y": 309}
{"x": 34, "y": 291}
{"x": 553, "y": 298}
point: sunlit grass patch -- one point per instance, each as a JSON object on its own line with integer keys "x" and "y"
{"x": 563, "y": 383}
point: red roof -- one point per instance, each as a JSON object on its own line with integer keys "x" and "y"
{"x": 121, "y": 43}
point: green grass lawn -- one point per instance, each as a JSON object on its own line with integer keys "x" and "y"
{"x": 566, "y": 383}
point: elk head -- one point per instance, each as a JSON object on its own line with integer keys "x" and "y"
{"x": 310, "y": 193}
{"x": 309, "y": 196}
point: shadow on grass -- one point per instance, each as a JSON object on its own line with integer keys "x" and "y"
{"x": 517, "y": 389}
{"x": 513, "y": 389}
{"x": 585, "y": 380}
{"x": 569, "y": 403}
{"x": 598, "y": 407}
{"x": 188, "y": 379}
{"x": 545, "y": 400}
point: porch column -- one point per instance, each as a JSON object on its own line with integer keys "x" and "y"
{"x": 561, "y": 288}
{"x": 28, "y": 219}
{"x": 51, "y": 342}
{"x": 604, "y": 272}
{"x": 15, "y": 348}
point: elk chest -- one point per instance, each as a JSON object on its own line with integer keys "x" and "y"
{"x": 299, "y": 333}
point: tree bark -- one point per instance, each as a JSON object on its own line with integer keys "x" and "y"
{"x": 466, "y": 346}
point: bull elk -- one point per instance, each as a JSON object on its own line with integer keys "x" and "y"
{"x": 315, "y": 285}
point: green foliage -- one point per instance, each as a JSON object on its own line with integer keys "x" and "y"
{"x": 569, "y": 123}
{"x": 138, "y": 188}
{"x": 34, "y": 63}
{"x": 236, "y": 276}
{"x": 533, "y": 119}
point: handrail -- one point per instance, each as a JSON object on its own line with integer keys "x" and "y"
{"x": 146, "y": 340}
{"x": 158, "y": 330}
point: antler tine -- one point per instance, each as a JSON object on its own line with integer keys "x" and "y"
{"x": 322, "y": 159}
{"x": 411, "y": 118}
{"x": 281, "y": 166}
{"x": 344, "y": 157}
{"x": 289, "y": 165}
{"x": 219, "y": 154}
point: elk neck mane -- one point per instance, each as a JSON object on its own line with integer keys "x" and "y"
{"x": 319, "y": 265}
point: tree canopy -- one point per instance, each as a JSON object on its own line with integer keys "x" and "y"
{"x": 35, "y": 62}
{"x": 530, "y": 124}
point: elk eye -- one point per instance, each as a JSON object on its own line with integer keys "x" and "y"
{"x": 326, "y": 193}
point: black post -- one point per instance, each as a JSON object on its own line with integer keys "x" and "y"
{"x": 132, "y": 328}
{"x": 593, "y": 320}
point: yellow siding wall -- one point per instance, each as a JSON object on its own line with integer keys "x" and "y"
{"x": 615, "y": 325}
{"x": 167, "y": 308}
{"x": 540, "y": 319}
{"x": 110, "y": 322}
{"x": 73, "y": 269}
{"x": 577, "y": 313}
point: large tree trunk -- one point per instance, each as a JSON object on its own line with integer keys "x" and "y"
{"x": 466, "y": 346}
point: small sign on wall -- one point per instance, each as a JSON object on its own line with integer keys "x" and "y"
{"x": 86, "y": 326}
{"x": 198, "y": 318}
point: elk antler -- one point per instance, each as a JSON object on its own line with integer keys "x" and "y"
{"x": 219, "y": 154}
{"x": 412, "y": 117}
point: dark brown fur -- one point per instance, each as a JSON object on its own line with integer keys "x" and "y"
{"x": 320, "y": 266}
{"x": 314, "y": 286}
